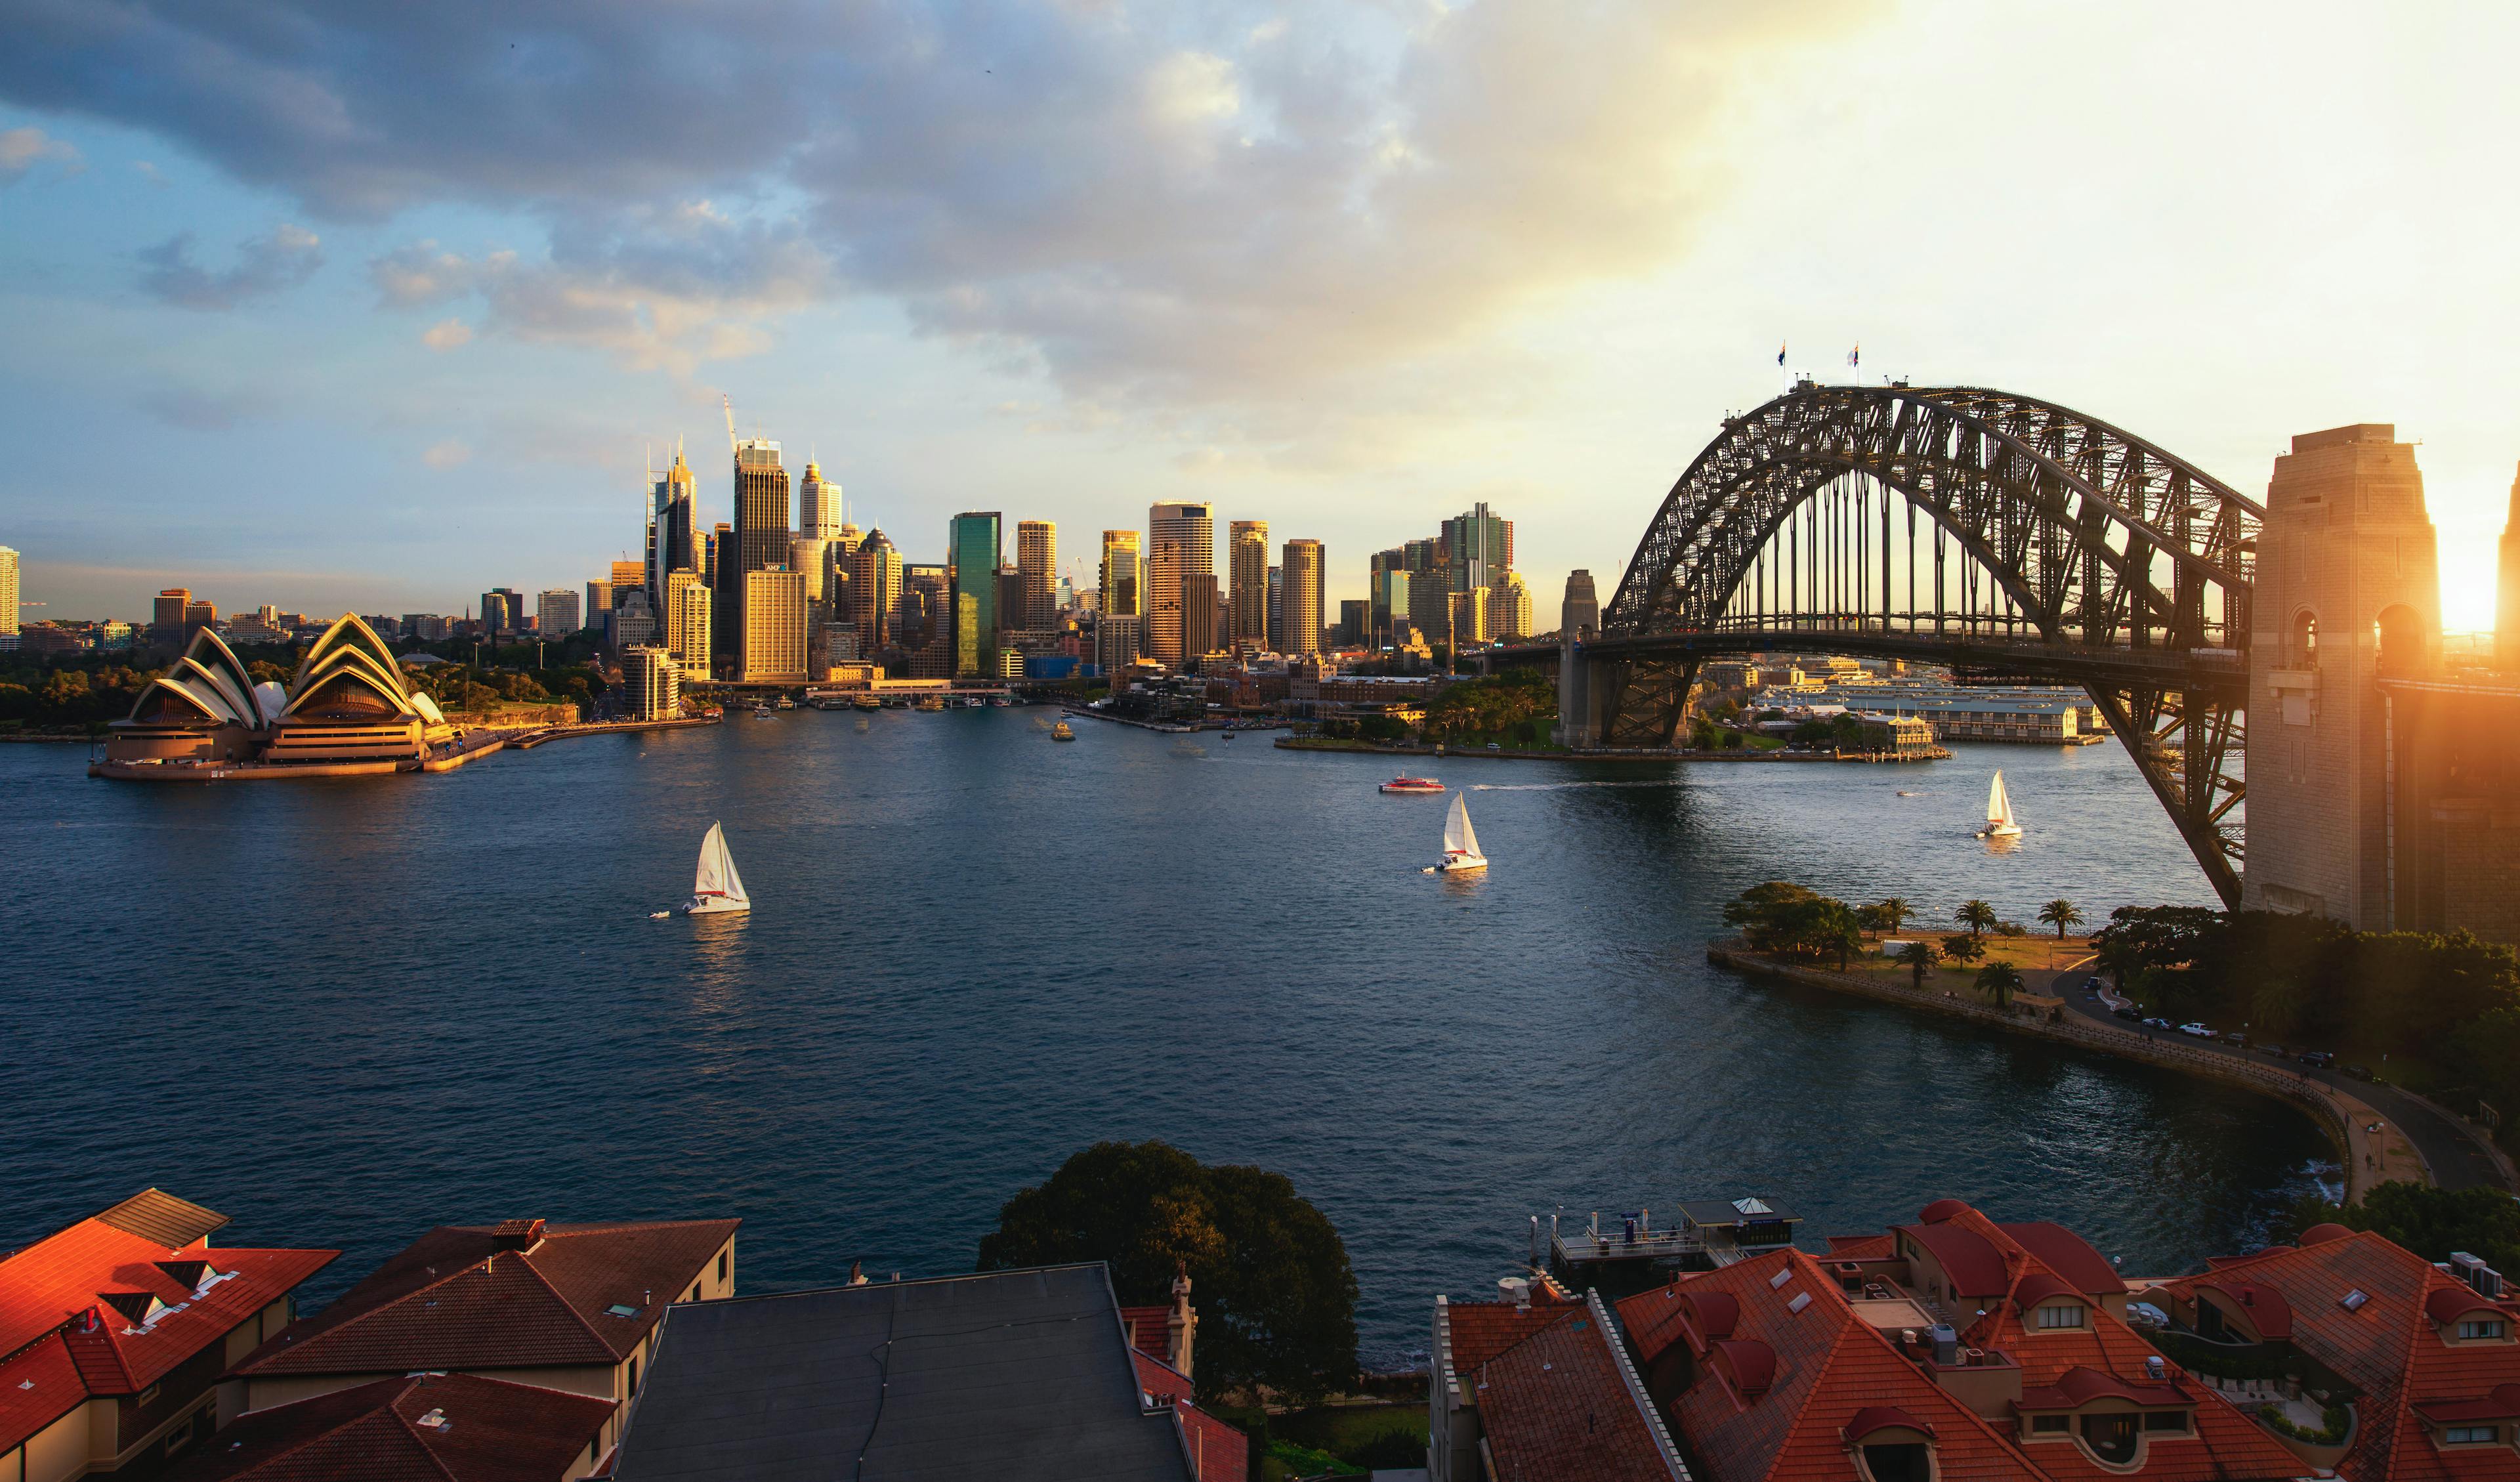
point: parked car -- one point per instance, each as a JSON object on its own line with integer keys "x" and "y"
{"x": 2359, "y": 1072}
{"x": 2159, "y": 1024}
{"x": 2234, "y": 1036}
{"x": 2318, "y": 1058}
{"x": 2128, "y": 1011}
{"x": 2196, "y": 1031}
{"x": 2277, "y": 1051}
{"x": 2095, "y": 983}
{"x": 1493, "y": 747}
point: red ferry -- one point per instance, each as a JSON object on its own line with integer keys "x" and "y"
{"x": 1404, "y": 783}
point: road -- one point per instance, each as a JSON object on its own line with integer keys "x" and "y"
{"x": 2452, "y": 1153}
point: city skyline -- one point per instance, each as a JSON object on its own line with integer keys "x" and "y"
{"x": 461, "y": 370}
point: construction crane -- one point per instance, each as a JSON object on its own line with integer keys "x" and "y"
{"x": 729, "y": 403}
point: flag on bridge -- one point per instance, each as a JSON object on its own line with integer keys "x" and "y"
{"x": 1855, "y": 358}
{"x": 1781, "y": 352}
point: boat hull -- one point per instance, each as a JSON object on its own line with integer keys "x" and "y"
{"x": 2000, "y": 830}
{"x": 1462, "y": 864}
{"x": 714, "y": 905}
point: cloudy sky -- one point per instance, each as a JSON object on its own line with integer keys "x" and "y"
{"x": 333, "y": 304}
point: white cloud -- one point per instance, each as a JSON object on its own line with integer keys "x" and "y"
{"x": 447, "y": 454}
{"x": 447, "y": 334}
{"x": 264, "y": 266}
{"x": 22, "y": 148}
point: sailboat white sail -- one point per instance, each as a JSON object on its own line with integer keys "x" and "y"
{"x": 716, "y": 886}
{"x": 2000, "y": 822}
{"x": 1460, "y": 840}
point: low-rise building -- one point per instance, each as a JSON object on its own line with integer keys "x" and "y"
{"x": 447, "y": 1427}
{"x": 116, "y": 1332}
{"x": 567, "y": 1307}
{"x": 1006, "y": 1374}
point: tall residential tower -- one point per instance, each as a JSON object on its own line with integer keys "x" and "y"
{"x": 1181, "y": 550}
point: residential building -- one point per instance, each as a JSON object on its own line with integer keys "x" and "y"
{"x": 650, "y": 674}
{"x": 630, "y": 576}
{"x": 774, "y": 626}
{"x": 1278, "y": 608}
{"x": 1301, "y": 598}
{"x": 504, "y": 611}
{"x": 598, "y": 607}
{"x": 1037, "y": 571}
{"x": 875, "y": 586}
{"x": 818, "y": 524}
{"x": 1469, "y": 618}
{"x": 688, "y": 615}
{"x": 567, "y": 1307}
{"x": 634, "y": 623}
{"x": 1180, "y": 551}
{"x": 1513, "y": 608}
{"x": 1247, "y": 559}
{"x": 555, "y": 612}
{"x": 1202, "y": 610}
{"x": 1020, "y": 1372}
{"x": 1116, "y": 641}
{"x": 973, "y": 548}
{"x": 1579, "y": 614}
{"x": 10, "y": 600}
{"x": 1430, "y": 590}
{"x": 179, "y": 617}
{"x": 1120, "y": 575}
{"x": 447, "y": 1427}
{"x": 2426, "y": 1358}
{"x": 117, "y": 1330}
{"x": 1481, "y": 547}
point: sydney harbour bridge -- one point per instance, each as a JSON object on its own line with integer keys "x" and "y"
{"x": 2010, "y": 539}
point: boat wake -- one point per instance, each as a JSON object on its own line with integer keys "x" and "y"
{"x": 1658, "y": 781}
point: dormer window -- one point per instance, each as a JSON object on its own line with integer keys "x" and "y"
{"x": 2060, "y": 1315}
{"x": 2052, "y": 1425}
{"x": 2471, "y": 1435}
{"x": 2472, "y": 1330}
{"x": 2111, "y": 1438}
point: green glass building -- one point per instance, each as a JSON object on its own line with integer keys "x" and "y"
{"x": 972, "y": 556}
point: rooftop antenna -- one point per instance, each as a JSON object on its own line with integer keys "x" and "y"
{"x": 729, "y": 403}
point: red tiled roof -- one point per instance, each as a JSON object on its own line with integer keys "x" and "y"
{"x": 2264, "y": 1305}
{"x": 1972, "y": 1262}
{"x": 1861, "y": 1247}
{"x": 427, "y": 1427}
{"x": 1219, "y": 1451}
{"x": 2386, "y": 1346}
{"x": 453, "y": 1300}
{"x": 1833, "y": 1372}
{"x": 2068, "y": 1255}
{"x": 1149, "y": 1328}
{"x": 116, "y": 1310}
{"x": 1481, "y": 1330}
{"x": 1874, "y": 1418}
{"x": 1557, "y": 1404}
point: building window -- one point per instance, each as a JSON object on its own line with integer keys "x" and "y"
{"x": 1908, "y": 1462}
{"x": 2061, "y": 1314}
{"x": 2480, "y": 1328}
{"x": 695, "y": 1291}
{"x": 148, "y": 1397}
{"x": 2166, "y": 1421}
{"x": 2471, "y": 1435}
{"x": 2110, "y": 1438}
{"x": 721, "y": 1266}
{"x": 2052, "y": 1425}
{"x": 634, "y": 1376}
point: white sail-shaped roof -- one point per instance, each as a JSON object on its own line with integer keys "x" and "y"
{"x": 350, "y": 653}
{"x": 209, "y": 684}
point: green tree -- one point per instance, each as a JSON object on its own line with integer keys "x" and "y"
{"x": 2000, "y": 981}
{"x": 2431, "y": 1222}
{"x": 1917, "y": 956}
{"x": 2061, "y": 913}
{"x": 1754, "y": 911}
{"x": 1893, "y": 913}
{"x": 1269, "y": 1275}
{"x": 1977, "y": 915}
{"x": 1963, "y": 949}
{"x": 1818, "y": 927}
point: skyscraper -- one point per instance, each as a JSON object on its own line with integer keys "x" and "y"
{"x": 672, "y": 531}
{"x": 626, "y": 574}
{"x": 1379, "y": 592}
{"x": 1513, "y": 614}
{"x": 649, "y": 674}
{"x": 1181, "y": 548}
{"x": 9, "y": 598}
{"x": 974, "y": 552}
{"x": 1481, "y": 546}
{"x": 1579, "y": 616}
{"x": 875, "y": 585}
{"x": 818, "y": 524}
{"x": 761, "y": 539}
{"x": 598, "y": 607}
{"x": 685, "y": 595}
{"x": 555, "y": 611}
{"x": 1246, "y": 564}
{"x": 1301, "y": 598}
{"x": 1430, "y": 590}
{"x": 1037, "y": 565}
{"x": 503, "y": 610}
{"x": 774, "y": 626}
{"x": 1120, "y": 575}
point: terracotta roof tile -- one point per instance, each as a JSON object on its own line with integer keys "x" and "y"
{"x": 436, "y": 1427}
{"x": 1218, "y": 1452}
{"x": 452, "y": 1300}
{"x": 1861, "y": 1247}
{"x": 38, "y": 1386}
{"x": 2068, "y": 1255}
{"x": 1481, "y": 1330}
{"x": 1557, "y": 1404}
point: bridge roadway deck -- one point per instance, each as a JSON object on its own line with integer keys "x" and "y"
{"x": 2195, "y": 670}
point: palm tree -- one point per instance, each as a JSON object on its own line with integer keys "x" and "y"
{"x": 1917, "y": 956}
{"x": 2061, "y": 913}
{"x": 1977, "y": 915}
{"x": 2000, "y": 981}
{"x": 1894, "y": 914}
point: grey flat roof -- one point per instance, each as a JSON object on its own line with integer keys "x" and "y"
{"x": 1004, "y": 1374}
{"x": 1720, "y": 1214}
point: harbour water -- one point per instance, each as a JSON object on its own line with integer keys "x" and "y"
{"x": 343, "y": 1010}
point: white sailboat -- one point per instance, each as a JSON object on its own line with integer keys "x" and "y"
{"x": 1460, "y": 840}
{"x": 716, "y": 887}
{"x": 2000, "y": 822}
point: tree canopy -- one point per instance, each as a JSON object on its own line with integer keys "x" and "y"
{"x": 1269, "y": 1275}
{"x": 2428, "y": 1221}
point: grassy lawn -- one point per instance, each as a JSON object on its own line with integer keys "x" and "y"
{"x": 2030, "y": 953}
{"x": 1332, "y": 1437}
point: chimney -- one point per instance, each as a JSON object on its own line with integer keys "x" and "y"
{"x": 516, "y": 1235}
{"x": 1181, "y": 1326}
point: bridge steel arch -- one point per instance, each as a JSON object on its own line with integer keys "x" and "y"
{"x": 2129, "y": 566}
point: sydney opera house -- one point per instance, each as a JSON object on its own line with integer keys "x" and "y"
{"x": 346, "y": 707}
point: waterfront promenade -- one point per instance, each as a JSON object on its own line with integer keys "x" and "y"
{"x": 2383, "y": 1134}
